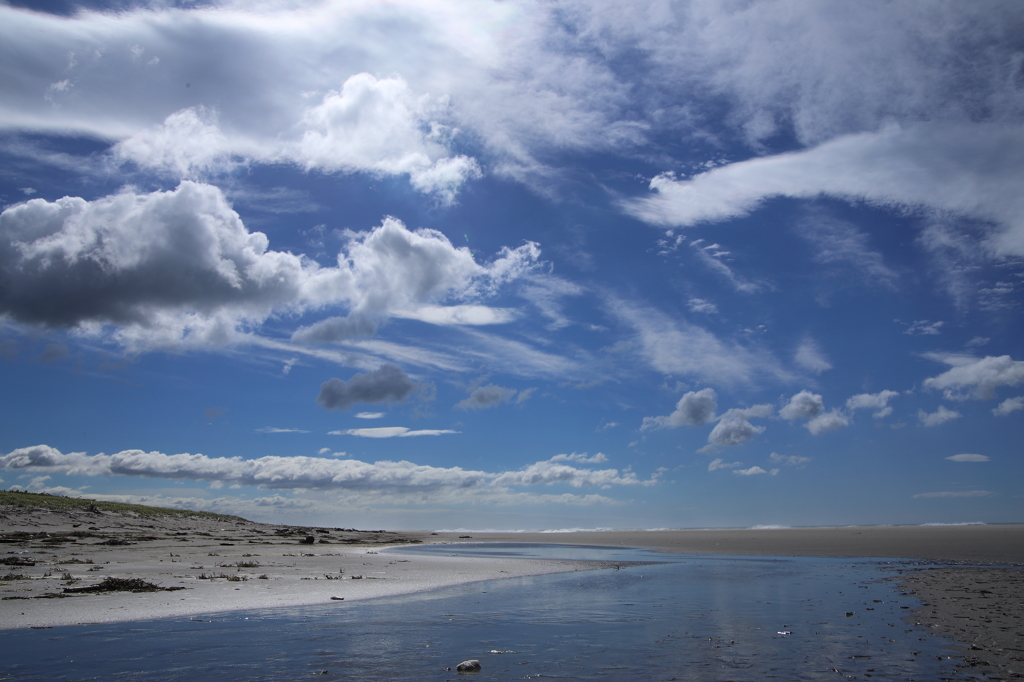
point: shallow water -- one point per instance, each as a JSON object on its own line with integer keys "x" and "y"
{"x": 686, "y": 618}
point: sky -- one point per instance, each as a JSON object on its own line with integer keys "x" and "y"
{"x": 516, "y": 264}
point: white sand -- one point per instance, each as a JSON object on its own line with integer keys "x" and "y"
{"x": 179, "y": 553}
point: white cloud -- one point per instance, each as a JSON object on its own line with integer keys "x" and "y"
{"x": 188, "y": 144}
{"x": 383, "y": 478}
{"x": 519, "y": 358}
{"x": 788, "y": 460}
{"x": 474, "y": 315}
{"x": 695, "y": 408}
{"x": 872, "y": 401}
{"x": 982, "y": 375}
{"x": 719, "y": 463}
{"x": 549, "y": 472}
{"x": 369, "y": 415}
{"x": 699, "y": 305}
{"x": 924, "y": 328}
{"x": 969, "y": 170}
{"x": 841, "y": 245}
{"x": 956, "y": 493}
{"x": 734, "y": 427}
{"x": 675, "y": 347}
{"x": 752, "y": 471}
{"x": 968, "y": 457}
{"x": 827, "y": 421}
{"x": 1009, "y": 406}
{"x": 582, "y": 458}
{"x": 521, "y": 79}
{"x": 939, "y": 416}
{"x": 810, "y": 357}
{"x": 380, "y": 126}
{"x": 272, "y": 429}
{"x": 391, "y": 432}
{"x": 546, "y": 292}
{"x": 810, "y": 406}
{"x": 803, "y": 405}
{"x": 179, "y": 268}
{"x": 714, "y": 258}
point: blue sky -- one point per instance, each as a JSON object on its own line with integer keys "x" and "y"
{"x": 516, "y": 265}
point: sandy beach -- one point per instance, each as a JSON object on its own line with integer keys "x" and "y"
{"x": 66, "y": 567}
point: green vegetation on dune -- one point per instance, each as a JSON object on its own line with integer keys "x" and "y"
{"x": 12, "y": 498}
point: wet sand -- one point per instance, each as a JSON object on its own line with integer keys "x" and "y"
{"x": 982, "y": 608}
{"x": 214, "y": 565}
{"x": 1002, "y": 544}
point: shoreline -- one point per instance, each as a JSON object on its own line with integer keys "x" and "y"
{"x": 981, "y": 544}
{"x": 214, "y": 565}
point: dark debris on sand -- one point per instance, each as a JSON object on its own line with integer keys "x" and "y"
{"x": 121, "y": 585}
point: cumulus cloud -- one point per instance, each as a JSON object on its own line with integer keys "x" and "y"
{"x": 827, "y": 421}
{"x": 695, "y": 408}
{"x": 551, "y": 471}
{"x": 487, "y": 396}
{"x": 188, "y": 144}
{"x": 381, "y": 126}
{"x": 968, "y": 457}
{"x": 754, "y": 471}
{"x": 810, "y": 406}
{"x": 388, "y": 383}
{"x": 973, "y": 377}
{"x": 391, "y": 432}
{"x": 317, "y": 473}
{"x": 734, "y": 427}
{"x": 1009, "y": 406}
{"x": 179, "y": 267}
{"x": 369, "y": 125}
{"x": 928, "y": 165}
{"x": 872, "y": 401}
{"x": 939, "y": 416}
{"x": 803, "y": 405}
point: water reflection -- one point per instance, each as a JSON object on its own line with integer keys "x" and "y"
{"x": 685, "y": 618}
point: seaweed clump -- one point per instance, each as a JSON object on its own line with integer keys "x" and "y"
{"x": 122, "y": 585}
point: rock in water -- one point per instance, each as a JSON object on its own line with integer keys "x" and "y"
{"x": 470, "y": 666}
